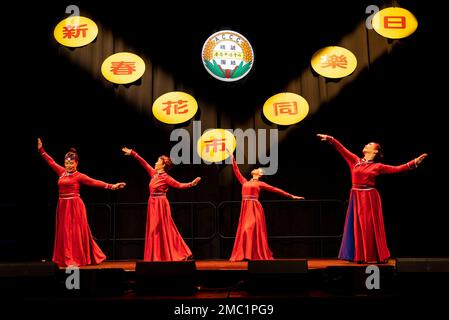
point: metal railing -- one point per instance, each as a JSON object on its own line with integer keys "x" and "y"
{"x": 114, "y": 210}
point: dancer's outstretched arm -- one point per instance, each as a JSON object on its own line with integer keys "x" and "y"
{"x": 129, "y": 152}
{"x": 350, "y": 158}
{"x": 180, "y": 185}
{"x": 88, "y": 181}
{"x": 266, "y": 186}
{"x": 413, "y": 164}
{"x": 236, "y": 169}
{"x": 56, "y": 167}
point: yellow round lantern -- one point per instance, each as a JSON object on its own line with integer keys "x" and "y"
{"x": 213, "y": 143}
{"x": 286, "y": 108}
{"x": 175, "y": 107}
{"x": 334, "y": 62}
{"x": 394, "y": 23}
{"x": 75, "y": 31}
{"x": 123, "y": 67}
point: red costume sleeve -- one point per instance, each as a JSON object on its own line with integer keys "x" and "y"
{"x": 266, "y": 186}
{"x": 84, "y": 179}
{"x": 56, "y": 167}
{"x": 176, "y": 184}
{"x": 151, "y": 171}
{"x": 350, "y": 158}
{"x": 237, "y": 172}
{"x": 386, "y": 169}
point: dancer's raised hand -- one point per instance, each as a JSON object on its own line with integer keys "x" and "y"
{"x": 324, "y": 137}
{"x": 420, "y": 158}
{"x": 196, "y": 181}
{"x": 119, "y": 185}
{"x": 127, "y": 151}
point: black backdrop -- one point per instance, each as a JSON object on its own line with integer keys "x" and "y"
{"x": 56, "y": 93}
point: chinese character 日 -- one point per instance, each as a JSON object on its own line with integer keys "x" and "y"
{"x": 394, "y": 22}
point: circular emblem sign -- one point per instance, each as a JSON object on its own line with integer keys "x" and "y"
{"x": 286, "y": 108}
{"x": 334, "y": 62}
{"x": 75, "y": 31}
{"x": 394, "y": 23}
{"x": 123, "y": 67}
{"x": 227, "y": 56}
{"x": 175, "y": 107}
{"x": 213, "y": 143}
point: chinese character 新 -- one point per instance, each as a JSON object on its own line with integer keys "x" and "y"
{"x": 74, "y": 31}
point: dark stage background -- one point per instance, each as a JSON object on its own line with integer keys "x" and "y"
{"x": 59, "y": 94}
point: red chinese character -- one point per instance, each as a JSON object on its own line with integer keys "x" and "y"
{"x": 394, "y": 22}
{"x": 285, "y": 108}
{"x": 178, "y": 107}
{"x": 214, "y": 144}
{"x": 335, "y": 61}
{"x": 123, "y": 67}
{"x": 74, "y": 31}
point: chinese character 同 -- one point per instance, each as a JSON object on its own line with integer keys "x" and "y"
{"x": 285, "y": 108}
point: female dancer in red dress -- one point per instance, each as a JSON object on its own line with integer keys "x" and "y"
{"x": 74, "y": 244}
{"x": 364, "y": 234}
{"x": 251, "y": 241}
{"x": 162, "y": 239}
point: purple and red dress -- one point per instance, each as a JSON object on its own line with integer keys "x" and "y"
{"x": 251, "y": 241}
{"x": 74, "y": 244}
{"x": 163, "y": 242}
{"x": 364, "y": 237}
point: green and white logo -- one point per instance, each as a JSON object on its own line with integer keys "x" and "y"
{"x": 227, "y": 55}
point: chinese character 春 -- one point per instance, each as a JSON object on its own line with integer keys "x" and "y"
{"x": 123, "y": 67}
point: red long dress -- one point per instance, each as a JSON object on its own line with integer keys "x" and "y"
{"x": 251, "y": 241}
{"x": 364, "y": 233}
{"x": 74, "y": 244}
{"x": 163, "y": 242}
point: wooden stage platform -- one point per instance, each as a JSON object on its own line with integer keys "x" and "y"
{"x": 312, "y": 264}
{"x": 320, "y": 286}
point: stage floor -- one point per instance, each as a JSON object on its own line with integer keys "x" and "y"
{"x": 313, "y": 264}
